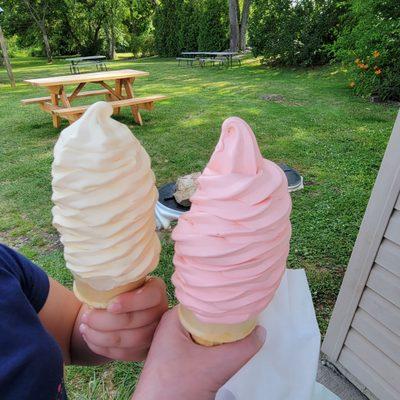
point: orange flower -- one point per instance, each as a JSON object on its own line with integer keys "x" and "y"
{"x": 378, "y": 71}
{"x": 376, "y": 53}
{"x": 352, "y": 84}
{"x": 363, "y": 66}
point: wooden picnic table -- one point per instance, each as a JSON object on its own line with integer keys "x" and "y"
{"x": 59, "y": 103}
{"x": 96, "y": 60}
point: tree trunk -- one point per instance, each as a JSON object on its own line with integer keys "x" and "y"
{"x": 243, "y": 24}
{"x": 6, "y": 59}
{"x": 47, "y": 45}
{"x": 111, "y": 53}
{"x": 94, "y": 44}
{"x": 234, "y": 24}
{"x": 41, "y": 23}
{"x": 131, "y": 14}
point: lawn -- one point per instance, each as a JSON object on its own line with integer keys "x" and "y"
{"x": 334, "y": 139}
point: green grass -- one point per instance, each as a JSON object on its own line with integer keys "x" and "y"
{"x": 335, "y": 140}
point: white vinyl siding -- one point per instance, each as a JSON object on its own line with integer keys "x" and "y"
{"x": 363, "y": 338}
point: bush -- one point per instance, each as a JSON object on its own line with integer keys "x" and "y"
{"x": 288, "y": 33}
{"x": 148, "y": 48}
{"x": 370, "y": 46}
{"x": 142, "y": 45}
{"x": 12, "y": 46}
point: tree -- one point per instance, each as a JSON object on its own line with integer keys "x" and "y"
{"x": 238, "y": 22}
{"x": 191, "y": 25}
{"x": 213, "y": 25}
{"x": 6, "y": 58}
{"x": 111, "y": 12}
{"x": 86, "y": 19}
{"x": 290, "y": 33}
{"x": 166, "y": 24}
{"x": 139, "y": 17}
{"x": 244, "y": 23}
{"x": 19, "y": 22}
{"x": 138, "y": 22}
{"x": 38, "y": 10}
{"x": 188, "y": 25}
{"x": 234, "y": 24}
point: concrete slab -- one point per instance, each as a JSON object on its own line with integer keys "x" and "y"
{"x": 333, "y": 380}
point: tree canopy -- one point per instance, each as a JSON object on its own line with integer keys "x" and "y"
{"x": 364, "y": 34}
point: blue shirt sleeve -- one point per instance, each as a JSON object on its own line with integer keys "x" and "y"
{"x": 33, "y": 281}
{"x": 31, "y": 361}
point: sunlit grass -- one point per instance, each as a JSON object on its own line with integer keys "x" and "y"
{"x": 334, "y": 139}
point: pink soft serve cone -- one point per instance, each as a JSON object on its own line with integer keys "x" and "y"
{"x": 231, "y": 247}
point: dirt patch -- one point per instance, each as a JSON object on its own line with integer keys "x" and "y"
{"x": 14, "y": 242}
{"x": 53, "y": 241}
{"x": 278, "y": 98}
{"x": 310, "y": 183}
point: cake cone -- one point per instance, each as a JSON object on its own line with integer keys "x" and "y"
{"x": 214, "y": 334}
{"x": 104, "y": 198}
{"x": 101, "y": 299}
{"x": 231, "y": 246}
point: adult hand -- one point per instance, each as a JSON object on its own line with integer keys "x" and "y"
{"x": 179, "y": 369}
{"x": 125, "y": 330}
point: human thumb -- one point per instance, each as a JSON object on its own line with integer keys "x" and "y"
{"x": 235, "y": 355}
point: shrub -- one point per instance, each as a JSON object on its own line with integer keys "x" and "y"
{"x": 148, "y": 48}
{"x": 142, "y": 45}
{"x": 12, "y": 46}
{"x": 288, "y": 33}
{"x": 370, "y": 46}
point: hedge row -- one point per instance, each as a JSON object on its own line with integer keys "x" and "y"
{"x": 191, "y": 25}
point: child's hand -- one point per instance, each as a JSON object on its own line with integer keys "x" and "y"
{"x": 125, "y": 330}
{"x": 178, "y": 369}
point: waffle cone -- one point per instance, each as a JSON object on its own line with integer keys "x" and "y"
{"x": 100, "y": 299}
{"x": 214, "y": 334}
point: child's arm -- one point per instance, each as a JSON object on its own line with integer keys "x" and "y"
{"x": 96, "y": 336}
{"x": 61, "y": 312}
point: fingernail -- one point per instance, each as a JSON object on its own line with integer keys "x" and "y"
{"x": 261, "y": 334}
{"x": 114, "y": 307}
{"x": 82, "y": 328}
{"x": 85, "y": 317}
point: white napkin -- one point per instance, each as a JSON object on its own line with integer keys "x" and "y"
{"x": 286, "y": 366}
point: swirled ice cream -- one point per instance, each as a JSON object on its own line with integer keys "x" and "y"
{"x": 104, "y": 194}
{"x": 231, "y": 247}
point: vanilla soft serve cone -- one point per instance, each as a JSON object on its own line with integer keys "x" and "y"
{"x": 231, "y": 247}
{"x": 104, "y": 194}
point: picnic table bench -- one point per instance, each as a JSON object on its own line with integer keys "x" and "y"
{"x": 76, "y": 62}
{"x": 59, "y": 103}
{"x": 238, "y": 58}
{"x": 219, "y": 61}
{"x": 188, "y": 60}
